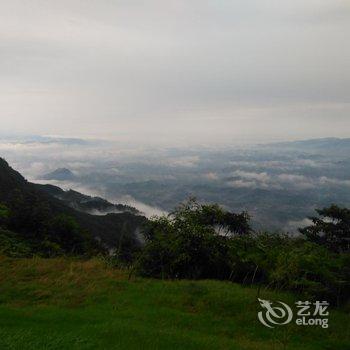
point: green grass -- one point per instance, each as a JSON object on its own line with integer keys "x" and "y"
{"x": 67, "y": 304}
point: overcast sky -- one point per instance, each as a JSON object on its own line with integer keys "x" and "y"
{"x": 216, "y": 70}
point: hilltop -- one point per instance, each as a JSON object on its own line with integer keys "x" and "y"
{"x": 62, "y": 174}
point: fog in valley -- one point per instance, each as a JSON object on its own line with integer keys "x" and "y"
{"x": 279, "y": 184}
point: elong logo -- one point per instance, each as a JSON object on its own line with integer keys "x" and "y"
{"x": 279, "y": 313}
{"x": 274, "y": 315}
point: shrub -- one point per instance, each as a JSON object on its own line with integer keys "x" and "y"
{"x": 192, "y": 242}
{"x": 197, "y": 241}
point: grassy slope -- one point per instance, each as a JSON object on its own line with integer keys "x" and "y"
{"x": 66, "y": 304}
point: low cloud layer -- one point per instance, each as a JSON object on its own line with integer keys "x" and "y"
{"x": 279, "y": 185}
{"x": 145, "y": 209}
{"x": 253, "y": 180}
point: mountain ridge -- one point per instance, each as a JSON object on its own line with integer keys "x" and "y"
{"x": 30, "y": 203}
{"x": 61, "y": 174}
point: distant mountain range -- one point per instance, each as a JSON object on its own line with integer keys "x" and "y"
{"x": 28, "y": 139}
{"x": 329, "y": 143}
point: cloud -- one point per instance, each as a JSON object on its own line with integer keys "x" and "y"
{"x": 194, "y": 71}
{"x": 307, "y": 163}
{"x": 243, "y": 184}
{"x": 261, "y": 177}
{"x": 185, "y": 161}
{"x": 320, "y": 11}
{"x": 36, "y": 168}
{"x": 293, "y": 225}
{"x": 298, "y": 181}
{"x": 211, "y": 176}
{"x": 94, "y": 191}
{"x": 250, "y": 180}
{"x": 332, "y": 181}
{"x": 282, "y": 181}
{"x": 148, "y": 210}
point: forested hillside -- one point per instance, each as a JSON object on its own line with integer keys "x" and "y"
{"x": 49, "y": 226}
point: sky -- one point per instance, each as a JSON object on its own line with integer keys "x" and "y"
{"x": 174, "y": 71}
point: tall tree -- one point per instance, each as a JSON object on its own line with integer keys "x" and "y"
{"x": 331, "y": 228}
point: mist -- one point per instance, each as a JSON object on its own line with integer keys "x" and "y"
{"x": 178, "y": 72}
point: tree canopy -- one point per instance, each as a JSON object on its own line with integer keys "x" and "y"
{"x": 331, "y": 229}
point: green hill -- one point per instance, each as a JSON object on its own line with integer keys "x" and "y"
{"x": 71, "y": 304}
{"x": 51, "y": 225}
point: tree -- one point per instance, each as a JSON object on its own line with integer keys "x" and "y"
{"x": 67, "y": 234}
{"x": 213, "y": 216}
{"x": 331, "y": 229}
{"x": 4, "y": 214}
{"x": 191, "y": 242}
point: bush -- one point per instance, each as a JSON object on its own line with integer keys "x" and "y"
{"x": 13, "y": 246}
{"x": 4, "y": 214}
{"x": 191, "y": 243}
{"x": 196, "y": 242}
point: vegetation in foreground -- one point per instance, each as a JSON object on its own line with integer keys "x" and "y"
{"x": 204, "y": 241}
{"x": 63, "y": 303}
{"x": 196, "y": 241}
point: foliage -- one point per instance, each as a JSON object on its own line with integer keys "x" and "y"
{"x": 51, "y": 227}
{"x": 4, "y": 214}
{"x": 47, "y": 233}
{"x": 289, "y": 263}
{"x": 67, "y": 234}
{"x": 313, "y": 271}
{"x": 212, "y": 216}
{"x": 331, "y": 230}
{"x": 188, "y": 244}
{"x": 12, "y": 245}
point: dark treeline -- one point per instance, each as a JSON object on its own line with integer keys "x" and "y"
{"x": 204, "y": 241}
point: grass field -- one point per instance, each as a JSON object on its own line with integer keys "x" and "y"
{"x": 68, "y": 304}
